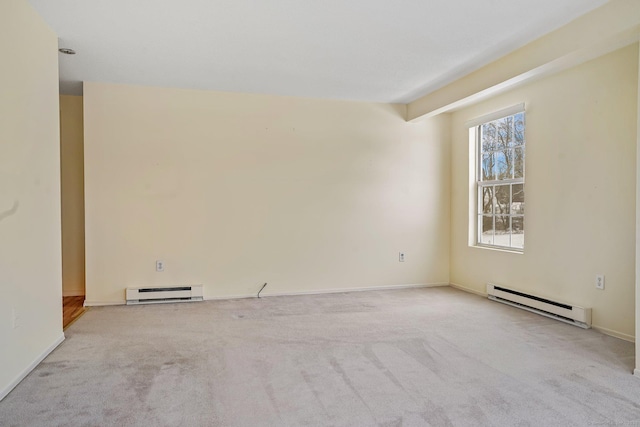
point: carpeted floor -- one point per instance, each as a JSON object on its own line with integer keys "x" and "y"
{"x": 413, "y": 357}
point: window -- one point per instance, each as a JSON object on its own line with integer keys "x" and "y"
{"x": 500, "y": 182}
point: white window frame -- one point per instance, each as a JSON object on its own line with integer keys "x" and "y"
{"x": 476, "y": 196}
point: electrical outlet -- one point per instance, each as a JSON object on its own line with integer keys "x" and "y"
{"x": 401, "y": 256}
{"x": 159, "y": 266}
{"x": 600, "y": 281}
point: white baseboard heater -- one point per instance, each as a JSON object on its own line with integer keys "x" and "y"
{"x": 567, "y": 313}
{"x": 164, "y": 294}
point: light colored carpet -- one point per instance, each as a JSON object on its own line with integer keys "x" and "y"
{"x": 413, "y": 357}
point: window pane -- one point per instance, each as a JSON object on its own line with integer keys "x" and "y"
{"x": 503, "y": 163}
{"x": 503, "y": 198}
{"x": 486, "y": 200}
{"x": 488, "y": 167}
{"x": 486, "y": 234}
{"x": 500, "y": 206}
{"x": 488, "y": 133}
{"x": 518, "y": 162}
{"x": 518, "y": 129}
{"x": 510, "y": 159}
{"x": 517, "y": 199}
{"x": 502, "y": 232}
{"x": 504, "y": 132}
{"x": 517, "y": 232}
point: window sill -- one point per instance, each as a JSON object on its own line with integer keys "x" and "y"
{"x": 499, "y": 249}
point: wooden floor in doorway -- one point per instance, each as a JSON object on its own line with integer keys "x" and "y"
{"x": 72, "y": 308}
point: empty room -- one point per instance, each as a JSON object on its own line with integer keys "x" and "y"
{"x": 295, "y": 213}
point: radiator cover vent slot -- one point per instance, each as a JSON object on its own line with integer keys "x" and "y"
{"x": 561, "y": 311}
{"x": 164, "y": 294}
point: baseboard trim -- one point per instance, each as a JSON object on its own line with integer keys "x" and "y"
{"x": 88, "y": 303}
{"x": 73, "y": 292}
{"x": 614, "y": 334}
{"x": 229, "y": 297}
{"x": 466, "y": 289}
{"x": 636, "y": 373}
{"x": 4, "y": 392}
{"x": 330, "y": 291}
{"x": 284, "y": 294}
{"x": 600, "y": 329}
{"x": 103, "y": 303}
{"x": 364, "y": 289}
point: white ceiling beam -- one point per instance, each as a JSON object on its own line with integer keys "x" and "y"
{"x": 603, "y": 30}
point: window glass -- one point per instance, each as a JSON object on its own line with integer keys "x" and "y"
{"x": 500, "y": 184}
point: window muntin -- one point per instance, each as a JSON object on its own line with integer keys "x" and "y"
{"x": 500, "y": 182}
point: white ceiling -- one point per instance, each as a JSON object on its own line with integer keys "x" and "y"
{"x": 369, "y": 50}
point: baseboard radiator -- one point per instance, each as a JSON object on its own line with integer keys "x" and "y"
{"x": 156, "y": 295}
{"x": 567, "y": 313}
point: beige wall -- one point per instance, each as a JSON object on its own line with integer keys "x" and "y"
{"x": 30, "y": 272}
{"x": 580, "y": 191}
{"x": 234, "y": 190}
{"x": 72, "y": 186}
